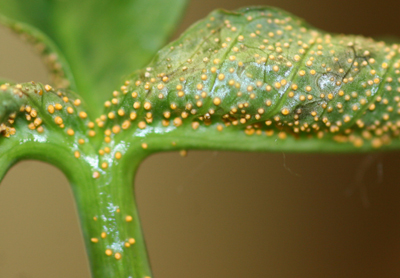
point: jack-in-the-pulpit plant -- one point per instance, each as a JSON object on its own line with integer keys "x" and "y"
{"x": 255, "y": 79}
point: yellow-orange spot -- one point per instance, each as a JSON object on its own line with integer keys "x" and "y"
{"x": 118, "y": 155}
{"x": 116, "y": 129}
{"x": 82, "y": 115}
{"x": 142, "y": 125}
{"x": 147, "y": 105}
{"x": 33, "y": 113}
{"x": 111, "y": 115}
{"x": 94, "y": 239}
{"x": 128, "y": 218}
{"x": 50, "y": 109}
{"x": 117, "y": 256}
{"x": 96, "y": 175}
{"x": 177, "y": 121}
{"x": 282, "y": 135}
{"x": 121, "y": 112}
{"x": 109, "y": 252}
{"x": 58, "y": 106}
{"x": 132, "y": 115}
{"x": 58, "y": 120}
{"x": 47, "y": 88}
{"x": 195, "y": 125}
{"x": 126, "y": 124}
{"x": 37, "y": 121}
{"x": 285, "y": 111}
{"x": 136, "y": 105}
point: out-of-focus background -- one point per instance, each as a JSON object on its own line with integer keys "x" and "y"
{"x": 223, "y": 214}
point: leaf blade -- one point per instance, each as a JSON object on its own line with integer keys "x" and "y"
{"x": 262, "y": 71}
{"x": 102, "y": 40}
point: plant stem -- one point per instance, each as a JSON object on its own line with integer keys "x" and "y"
{"x": 110, "y": 197}
{"x": 106, "y": 205}
{"x": 110, "y": 220}
{"x": 102, "y": 178}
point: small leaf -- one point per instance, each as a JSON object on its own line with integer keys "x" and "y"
{"x": 35, "y": 112}
{"x": 262, "y": 71}
{"x": 102, "y": 40}
{"x": 57, "y": 66}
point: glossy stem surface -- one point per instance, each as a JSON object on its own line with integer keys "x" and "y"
{"x": 102, "y": 184}
{"x": 110, "y": 221}
{"x": 105, "y": 203}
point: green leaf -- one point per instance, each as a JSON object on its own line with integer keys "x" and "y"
{"x": 37, "y": 113}
{"x": 266, "y": 73}
{"x": 102, "y": 40}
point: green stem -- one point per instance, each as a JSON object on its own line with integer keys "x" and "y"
{"x": 101, "y": 180}
{"x": 106, "y": 205}
{"x": 110, "y": 220}
{"x": 110, "y": 197}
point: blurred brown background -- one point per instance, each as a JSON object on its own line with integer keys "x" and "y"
{"x": 220, "y": 214}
